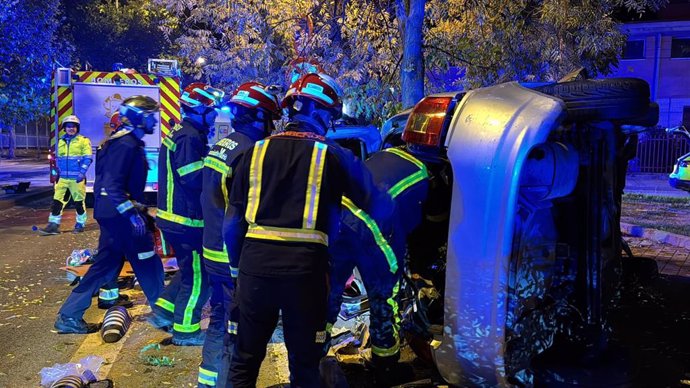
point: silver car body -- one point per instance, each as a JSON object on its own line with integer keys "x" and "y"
{"x": 491, "y": 133}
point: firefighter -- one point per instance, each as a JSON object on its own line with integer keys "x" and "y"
{"x": 121, "y": 171}
{"x": 363, "y": 243}
{"x": 284, "y": 204}
{"x": 179, "y": 215}
{"x": 74, "y": 157}
{"x": 252, "y": 111}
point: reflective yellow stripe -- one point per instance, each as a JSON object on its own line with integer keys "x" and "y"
{"x": 386, "y": 352}
{"x": 287, "y": 234}
{"x": 407, "y": 183}
{"x": 190, "y": 168}
{"x": 375, "y": 232}
{"x": 217, "y": 256}
{"x": 187, "y": 326}
{"x": 178, "y": 219}
{"x": 170, "y": 186}
{"x": 124, "y": 206}
{"x": 216, "y": 165}
{"x": 393, "y": 303}
{"x": 407, "y": 156}
{"x": 169, "y": 306}
{"x": 255, "y": 172}
{"x": 207, "y": 377}
{"x": 311, "y": 203}
{"x": 168, "y": 143}
{"x": 232, "y": 327}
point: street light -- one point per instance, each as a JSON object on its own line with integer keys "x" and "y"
{"x": 200, "y": 61}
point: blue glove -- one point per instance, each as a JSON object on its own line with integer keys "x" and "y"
{"x": 138, "y": 224}
{"x": 80, "y": 177}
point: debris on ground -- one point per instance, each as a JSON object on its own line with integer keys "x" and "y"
{"x": 148, "y": 355}
{"x": 85, "y": 370}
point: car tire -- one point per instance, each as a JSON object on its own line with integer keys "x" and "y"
{"x": 606, "y": 99}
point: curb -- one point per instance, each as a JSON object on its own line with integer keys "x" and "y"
{"x": 656, "y": 235}
{"x": 22, "y": 199}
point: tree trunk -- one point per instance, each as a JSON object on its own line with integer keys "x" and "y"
{"x": 12, "y": 143}
{"x": 412, "y": 71}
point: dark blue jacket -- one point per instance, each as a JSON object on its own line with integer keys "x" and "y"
{"x": 180, "y": 178}
{"x": 285, "y": 203}
{"x": 121, "y": 170}
{"x": 219, "y": 166}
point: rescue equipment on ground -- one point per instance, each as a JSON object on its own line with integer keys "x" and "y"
{"x": 116, "y": 322}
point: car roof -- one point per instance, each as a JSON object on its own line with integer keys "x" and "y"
{"x": 368, "y": 134}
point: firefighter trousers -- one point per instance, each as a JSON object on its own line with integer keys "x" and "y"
{"x": 116, "y": 240}
{"x": 61, "y": 198}
{"x": 360, "y": 250}
{"x": 220, "y": 334}
{"x": 188, "y": 290}
{"x": 302, "y": 302}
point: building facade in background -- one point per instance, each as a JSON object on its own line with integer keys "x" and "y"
{"x": 658, "y": 51}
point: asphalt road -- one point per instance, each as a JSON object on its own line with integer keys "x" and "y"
{"x": 32, "y": 288}
{"x": 652, "y": 322}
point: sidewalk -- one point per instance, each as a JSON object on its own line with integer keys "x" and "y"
{"x": 651, "y": 184}
{"x": 24, "y": 169}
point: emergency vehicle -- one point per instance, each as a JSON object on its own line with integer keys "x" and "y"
{"x": 94, "y": 96}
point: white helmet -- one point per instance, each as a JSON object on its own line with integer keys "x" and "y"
{"x": 70, "y": 119}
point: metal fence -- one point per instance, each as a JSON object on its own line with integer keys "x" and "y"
{"x": 33, "y": 135}
{"x": 657, "y": 152}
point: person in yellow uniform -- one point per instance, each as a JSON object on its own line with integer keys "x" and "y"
{"x": 74, "y": 156}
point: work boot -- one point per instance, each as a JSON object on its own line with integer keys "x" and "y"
{"x": 159, "y": 321}
{"x": 67, "y": 325}
{"x": 78, "y": 228}
{"x": 122, "y": 300}
{"x": 50, "y": 229}
{"x": 189, "y": 339}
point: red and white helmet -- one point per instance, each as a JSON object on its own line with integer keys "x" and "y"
{"x": 319, "y": 88}
{"x": 200, "y": 94}
{"x": 115, "y": 121}
{"x": 253, "y": 95}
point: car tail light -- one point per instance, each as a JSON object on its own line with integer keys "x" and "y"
{"x": 155, "y": 187}
{"x": 425, "y": 124}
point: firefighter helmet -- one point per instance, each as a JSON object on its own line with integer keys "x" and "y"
{"x": 253, "y": 95}
{"x": 70, "y": 119}
{"x": 115, "y": 121}
{"x": 200, "y": 94}
{"x": 138, "y": 112}
{"x": 317, "y": 87}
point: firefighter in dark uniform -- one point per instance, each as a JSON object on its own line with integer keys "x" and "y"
{"x": 284, "y": 204}
{"x": 252, "y": 110}
{"x": 179, "y": 216}
{"x": 121, "y": 171}
{"x": 380, "y": 260}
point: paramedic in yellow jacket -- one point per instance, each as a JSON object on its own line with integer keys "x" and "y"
{"x": 74, "y": 157}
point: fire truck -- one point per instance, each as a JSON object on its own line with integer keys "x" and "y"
{"x": 94, "y": 96}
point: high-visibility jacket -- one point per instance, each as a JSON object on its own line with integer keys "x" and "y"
{"x": 180, "y": 178}
{"x": 218, "y": 172}
{"x": 407, "y": 181}
{"x": 74, "y": 156}
{"x": 285, "y": 203}
{"x": 121, "y": 170}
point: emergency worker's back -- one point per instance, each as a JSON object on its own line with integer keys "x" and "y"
{"x": 292, "y": 185}
{"x": 121, "y": 170}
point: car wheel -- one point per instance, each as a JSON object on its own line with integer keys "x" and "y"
{"x": 606, "y": 99}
